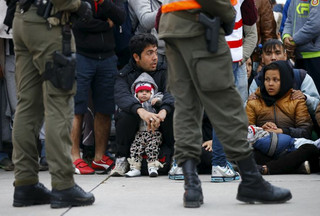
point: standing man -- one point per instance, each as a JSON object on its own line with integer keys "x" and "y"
{"x": 96, "y": 69}
{"x": 45, "y": 89}
{"x": 301, "y": 36}
{"x": 199, "y": 79}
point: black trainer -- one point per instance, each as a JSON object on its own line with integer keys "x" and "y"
{"x": 28, "y": 195}
{"x": 74, "y": 196}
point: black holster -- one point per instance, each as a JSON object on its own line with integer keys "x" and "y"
{"x": 212, "y": 26}
{"x": 62, "y": 71}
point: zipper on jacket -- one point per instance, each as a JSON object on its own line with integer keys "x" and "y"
{"x": 275, "y": 115}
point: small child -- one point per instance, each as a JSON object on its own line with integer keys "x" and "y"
{"x": 273, "y": 144}
{"x": 145, "y": 90}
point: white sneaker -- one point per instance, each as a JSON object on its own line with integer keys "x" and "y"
{"x": 133, "y": 173}
{"x": 224, "y": 174}
{"x": 121, "y": 167}
{"x": 153, "y": 171}
{"x": 175, "y": 172}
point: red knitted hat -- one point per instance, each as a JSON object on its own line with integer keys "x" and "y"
{"x": 143, "y": 86}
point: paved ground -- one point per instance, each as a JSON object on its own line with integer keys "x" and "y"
{"x": 117, "y": 196}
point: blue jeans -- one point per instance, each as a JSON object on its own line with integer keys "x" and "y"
{"x": 241, "y": 79}
{"x": 241, "y": 82}
{"x": 3, "y": 155}
{"x": 218, "y": 155}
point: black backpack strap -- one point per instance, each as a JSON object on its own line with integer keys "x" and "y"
{"x": 299, "y": 75}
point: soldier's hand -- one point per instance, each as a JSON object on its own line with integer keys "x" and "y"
{"x": 84, "y": 12}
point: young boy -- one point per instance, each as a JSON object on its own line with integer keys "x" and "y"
{"x": 146, "y": 141}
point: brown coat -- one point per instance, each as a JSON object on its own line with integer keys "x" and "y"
{"x": 266, "y": 24}
{"x": 291, "y": 116}
{"x": 318, "y": 114}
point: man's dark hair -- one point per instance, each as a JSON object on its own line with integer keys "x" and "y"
{"x": 139, "y": 42}
{"x": 272, "y": 44}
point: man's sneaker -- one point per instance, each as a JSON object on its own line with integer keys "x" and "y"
{"x": 27, "y": 195}
{"x": 74, "y": 196}
{"x": 304, "y": 168}
{"x": 82, "y": 168}
{"x": 175, "y": 172}
{"x": 224, "y": 174}
{"x": 133, "y": 173}
{"x": 153, "y": 171}
{"x": 106, "y": 163}
{"x": 6, "y": 164}
{"x": 121, "y": 167}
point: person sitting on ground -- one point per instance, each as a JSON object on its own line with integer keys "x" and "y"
{"x": 143, "y": 48}
{"x": 146, "y": 141}
{"x": 275, "y": 111}
{"x": 275, "y": 145}
{"x": 304, "y": 86}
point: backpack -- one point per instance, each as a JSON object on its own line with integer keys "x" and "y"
{"x": 122, "y": 35}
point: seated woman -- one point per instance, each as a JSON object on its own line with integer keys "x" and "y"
{"x": 276, "y": 112}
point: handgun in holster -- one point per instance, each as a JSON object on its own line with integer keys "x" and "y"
{"x": 212, "y": 26}
{"x": 62, "y": 71}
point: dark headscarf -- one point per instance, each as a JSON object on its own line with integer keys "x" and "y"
{"x": 286, "y": 81}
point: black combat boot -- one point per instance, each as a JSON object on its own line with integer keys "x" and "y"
{"x": 74, "y": 196}
{"x": 27, "y": 195}
{"x": 192, "y": 197}
{"x": 253, "y": 188}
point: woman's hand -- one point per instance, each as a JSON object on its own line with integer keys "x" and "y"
{"x": 269, "y": 126}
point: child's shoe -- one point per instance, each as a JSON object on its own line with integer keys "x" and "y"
{"x": 135, "y": 167}
{"x": 133, "y": 173}
{"x": 153, "y": 168}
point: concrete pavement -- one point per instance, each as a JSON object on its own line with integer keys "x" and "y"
{"x": 117, "y": 196}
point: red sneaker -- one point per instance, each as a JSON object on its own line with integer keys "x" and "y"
{"x": 82, "y": 168}
{"x": 103, "y": 164}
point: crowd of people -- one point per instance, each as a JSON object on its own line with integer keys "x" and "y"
{"x": 169, "y": 97}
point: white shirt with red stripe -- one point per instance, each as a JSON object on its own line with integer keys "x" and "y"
{"x": 235, "y": 39}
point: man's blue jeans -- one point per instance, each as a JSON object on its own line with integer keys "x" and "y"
{"x": 218, "y": 155}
